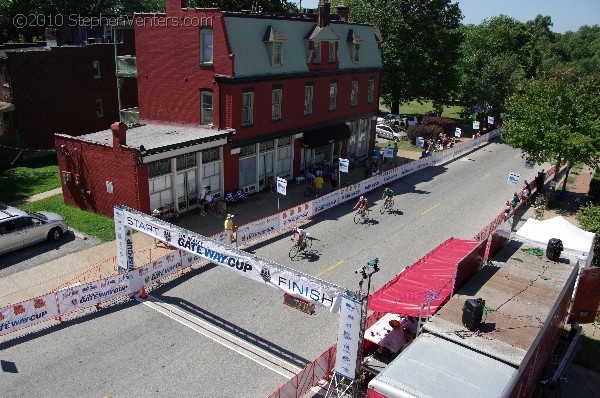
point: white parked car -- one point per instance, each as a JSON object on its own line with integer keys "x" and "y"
{"x": 390, "y": 132}
{"x": 19, "y": 228}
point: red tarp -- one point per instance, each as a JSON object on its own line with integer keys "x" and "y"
{"x": 430, "y": 277}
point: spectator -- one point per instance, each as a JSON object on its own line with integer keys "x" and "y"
{"x": 539, "y": 181}
{"x": 410, "y": 326}
{"x": 319, "y": 184}
{"x": 334, "y": 178}
{"x": 207, "y": 203}
{"x": 507, "y": 210}
{"x": 310, "y": 177}
{"x": 228, "y": 224}
{"x": 395, "y": 151}
{"x": 201, "y": 194}
{"x": 515, "y": 200}
{"x": 394, "y": 340}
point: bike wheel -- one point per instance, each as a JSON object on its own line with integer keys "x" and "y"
{"x": 294, "y": 251}
{"x": 367, "y": 216}
{"x": 391, "y": 205}
{"x": 357, "y": 217}
{"x": 383, "y": 208}
{"x": 308, "y": 242}
{"x": 308, "y": 192}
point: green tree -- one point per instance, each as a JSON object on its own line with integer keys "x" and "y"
{"x": 556, "y": 119}
{"x": 420, "y": 42}
{"x": 589, "y": 219}
{"x": 579, "y": 51}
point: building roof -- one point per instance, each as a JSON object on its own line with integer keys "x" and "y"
{"x": 246, "y": 35}
{"x": 434, "y": 367}
{"x": 160, "y": 137}
{"x": 520, "y": 291}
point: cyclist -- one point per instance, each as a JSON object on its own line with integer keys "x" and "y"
{"x": 388, "y": 194}
{"x": 362, "y": 205}
{"x": 301, "y": 236}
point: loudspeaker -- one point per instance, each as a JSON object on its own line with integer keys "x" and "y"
{"x": 472, "y": 313}
{"x": 554, "y": 248}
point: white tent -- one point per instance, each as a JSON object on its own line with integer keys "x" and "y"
{"x": 576, "y": 241}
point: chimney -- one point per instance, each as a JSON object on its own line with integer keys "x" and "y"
{"x": 175, "y": 5}
{"x": 119, "y": 132}
{"x": 324, "y": 10}
{"x": 343, "y": 12}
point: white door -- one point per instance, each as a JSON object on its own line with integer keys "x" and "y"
{"x": 187, "y": 191}
{"x": 265, "y": 168}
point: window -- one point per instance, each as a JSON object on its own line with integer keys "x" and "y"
{"x": 248, "y": 150}
{"x": 277, "y": 54}
{"x": 5, "y": 76}
{"x": 317, "y": 52}
{"x": 159, "y": 167}
{"x": 308, "y": 99}
{"x": 185, "y": 161}
{"x": 206, "y": 110}
{"x": 276, "y": 104}
{"x": 354, "y": 93}
{"x": 99, "y": 109}
{"x": 266, "y": 145}
{"x": 331, "y": 52}
{"x": 371, "y": 91}
{"x": 247, "y": 108}
{"x": 355, "y": 52}
{"x": 332, "y": 95}
{"x": 211, "y": 155}
{"x": 206, "y": 47}
{"x": 96, "y": 67}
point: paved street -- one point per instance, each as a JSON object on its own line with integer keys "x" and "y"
{"x": 135, "y": 350}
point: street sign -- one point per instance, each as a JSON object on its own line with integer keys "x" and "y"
{"x": 458, "y": 132}
{"x": 344, "y": 165}
{"x": 513, "y": 178}
{"x": 475, "y": 125}
{"x": 299, "y": 304}
{"x": 388, "y": 152}
{"x": 281, "y": 185}
{"x": 490, "y": 120}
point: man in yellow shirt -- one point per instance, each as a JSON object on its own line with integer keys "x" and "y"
{"x": 228, "y": 224}
{"x": 319, "y": 184}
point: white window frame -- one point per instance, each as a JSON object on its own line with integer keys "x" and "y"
{"x": 96, "y": 66}
{"x": 354, "y": 93}
{"x": 332, "y": 51}
{"x": 203, "y": 110}
{"x": 308, "y": 99}
{"x": 332, "y": 96}
{"x": 203, "y": 48}
{"x": 276, "y": 100}
{"x": 317, "y": 52}
{"x": 355, "y": 53}
{"x": 277, "y": 53}
{"x": 99, "y": 108}
{"x": 371, "y": 91}
{"x": 248, "y": 111}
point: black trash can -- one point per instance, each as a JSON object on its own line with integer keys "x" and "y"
{"x": 554, "y": 248}
{"x": 473, "y": 313}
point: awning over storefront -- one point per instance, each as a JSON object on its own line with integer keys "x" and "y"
{"x": 322, "y": 136}
{"x": 431, "y": 278}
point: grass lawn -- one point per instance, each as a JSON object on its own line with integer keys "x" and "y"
{"x": 589, "y": 352}
{"x": 31, "y": 177}
{"x": 414, "y": 108}
{"x": 404, "y": 144}
{"x": 88, "y": 223}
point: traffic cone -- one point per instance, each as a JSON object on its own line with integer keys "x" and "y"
{"x": 143, "y": 294}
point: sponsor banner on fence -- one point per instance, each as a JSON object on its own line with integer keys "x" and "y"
{"x": 160, "y": 268}
{"x": 223, "y": 237}
{"x": 326, "y": 202}
{"x": 258, "y": 228}
{"x": 372, "y": 183}
{"x": 390, "y": 175}
{"x": 28, "y": 313}
{"x": 295, "y": 214}
{"x": 351, "y": 191}
{"x": 348, "y": 337}
{"x": 113, "y": 287}
{"x": 74, "y": 298}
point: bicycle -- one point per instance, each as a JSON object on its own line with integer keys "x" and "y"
{"x": 362, "y": 216}
{"x": 296, "y": 248}
{"x": 387, "y": 205}
{"x": 310, "y": 190}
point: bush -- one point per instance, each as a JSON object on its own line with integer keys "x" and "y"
{"x": 425, "y": 131}
{"x": 448, "y": 125}
{"x": 589, "y": 219}
{"x": 595, "y": 188}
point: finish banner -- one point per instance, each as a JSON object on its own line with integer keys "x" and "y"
{"x": 28, "y": 313}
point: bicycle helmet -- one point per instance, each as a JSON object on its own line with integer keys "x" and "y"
{"x": 361, "y": 198}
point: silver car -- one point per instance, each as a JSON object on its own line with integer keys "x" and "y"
{"x": 390, "y": 132}
{"x": 19, "y": 228}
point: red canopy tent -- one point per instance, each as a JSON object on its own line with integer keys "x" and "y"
{"x": 430, "y": 278}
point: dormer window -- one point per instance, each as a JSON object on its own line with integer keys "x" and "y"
{"x": 317, "y": 52}
{"x": 354, "y": 40}
{"x": 332, "y": 52}
{"x": 274, "y": 41}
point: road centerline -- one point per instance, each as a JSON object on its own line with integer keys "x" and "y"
{"x": 328, "y": 269}
{"x": 431, "y": 208}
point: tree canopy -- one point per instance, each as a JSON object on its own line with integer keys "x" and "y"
{"x": 555, "y": 119}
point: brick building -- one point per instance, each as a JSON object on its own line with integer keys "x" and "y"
{"x": 69, "y": 89}
{"x": 232, "y": 100}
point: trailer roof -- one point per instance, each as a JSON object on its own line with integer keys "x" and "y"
{"x": 520, "y": 292}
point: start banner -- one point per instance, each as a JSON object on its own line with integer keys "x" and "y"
{"x": 28, "y": 313}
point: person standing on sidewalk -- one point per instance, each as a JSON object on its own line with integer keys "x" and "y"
{"x": 229, "y": 227}
{"x": 395, "y": 151}
{"x": 319, "y": 184}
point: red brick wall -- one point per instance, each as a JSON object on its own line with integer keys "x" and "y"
{"x": 97, "y": 164}
{"x": 169, "y": 73}
{"x": 54, "y": 91}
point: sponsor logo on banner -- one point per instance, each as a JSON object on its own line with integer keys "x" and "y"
{"x": 344, "y": 165}
{"x": 113, "y": 287}
{"x": 390, "y": 175}
{"x": 348, "y": 337}
{"x": 77, "y": 297}
{"x": 326, "y": 202}
{"x": 160, "y": 268}
{"x": 28, "y": 313}
{"x": 410, "y": 167}
{"x": 257, "y": 229}
{"x": 129, "y": 245}
{"x": 281, "y": 186}
{"x": 350, "y": 192}
{"x": 295, "y": 214}
{"x": 372, "y": 183}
